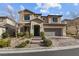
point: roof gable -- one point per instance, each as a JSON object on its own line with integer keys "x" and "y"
{"x": 37, "y": 20}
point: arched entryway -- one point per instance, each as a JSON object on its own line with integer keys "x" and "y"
{"x": 36, "y": 30}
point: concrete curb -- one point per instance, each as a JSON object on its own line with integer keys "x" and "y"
{"x": 31, "y": 50}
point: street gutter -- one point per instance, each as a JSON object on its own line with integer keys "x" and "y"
{"x": 31, "y": 50}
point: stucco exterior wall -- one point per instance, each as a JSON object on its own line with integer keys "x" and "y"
{"x": 2, "y": 21}
{"x": 58, "y": 20}
{"x": 32, "y": 16}
{"x": 2, "y": 30}
{"x": 10, "y": 22}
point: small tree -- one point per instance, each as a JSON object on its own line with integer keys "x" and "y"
{"x": 12, "y": 14}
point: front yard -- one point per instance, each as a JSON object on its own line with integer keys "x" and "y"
{"x": 27, "y": 42}
{"x": 65, "y": 42}
{"x": 23, "y": 40}
{"x": 60, "y": 42}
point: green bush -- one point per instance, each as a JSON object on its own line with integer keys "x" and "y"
{"x": 23, "y": 44}
{"x": 21, "y": 34}
{"x": 27, "y": 35}
{"x": 27, "y": 41}
{"x": 4, "y": 43}
{"x": 5, "y": 35}
{"x": 42, "y": 36}
{"x": 31, "y": 35}
{"x": 47, "y": 42}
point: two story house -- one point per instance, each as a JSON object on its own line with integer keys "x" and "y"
{"x": 35, "y": 23}
{"x": 7, "y": 25}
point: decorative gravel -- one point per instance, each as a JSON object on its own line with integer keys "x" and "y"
{"x": 64, "y": 42}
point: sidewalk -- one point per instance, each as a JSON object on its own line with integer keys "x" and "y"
{"x": 30, "y": 50}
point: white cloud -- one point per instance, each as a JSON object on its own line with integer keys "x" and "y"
{"x": 76, "y": 4}
{"x": 48, "y": 5}
{"x": 39, "y": 5}
{"x": 10, "y": 11}
{"x": 67, "y": 13}
{"x": 52, "y": 5}
{"x": 22, "y": 7}
{"x": 44, "y": 11}
{"x": 10, "y": 7}
{"x": 44, "y": 7}
{"x": 61, "y": 13}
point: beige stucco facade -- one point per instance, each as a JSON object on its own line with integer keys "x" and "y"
{"x": 44, "y": 24}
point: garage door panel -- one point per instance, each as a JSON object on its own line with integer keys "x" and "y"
{"x": 50, "y": 33}
{"x": 53, "y": 32}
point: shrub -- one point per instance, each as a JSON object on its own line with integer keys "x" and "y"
{"x": 5, "y": 35}
{"x": 77, "y": 36}
{"x": 21, "y": 34}
{"x": 43, "y": 38}
{"x": 47, "y": 42}
{"x": 4, "y": 43}
{"x": 27, "y": 41}
{"x": 31, "y": 35}
{"x": 23, "y": 44}
{"x": 42, "y": 35}
{"x": 27, "y": 35}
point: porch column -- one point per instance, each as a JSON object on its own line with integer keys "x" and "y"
{"x": 19, "y": 30}
{"x": 64, "y": 31}
{"x": 41, "y": 28}
{"x": 32, "y": 29}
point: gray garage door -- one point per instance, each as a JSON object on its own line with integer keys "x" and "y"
{"x": 53, "y": 32}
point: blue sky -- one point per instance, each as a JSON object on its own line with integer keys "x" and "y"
{"x": 68, "y": 10}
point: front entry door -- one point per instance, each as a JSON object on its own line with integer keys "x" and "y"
{"x": 36, "y": 30}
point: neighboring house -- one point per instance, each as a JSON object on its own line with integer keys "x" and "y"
{"x": 35, "y": 23}
{"x": 7, "y": 25}
{"x": 72, "y": 24}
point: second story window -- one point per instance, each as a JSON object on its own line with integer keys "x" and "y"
{"x": 54, "y": 19}
{"x": 27, "y": 17}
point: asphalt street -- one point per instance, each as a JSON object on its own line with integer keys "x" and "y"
{"x": 69, "y": 52}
